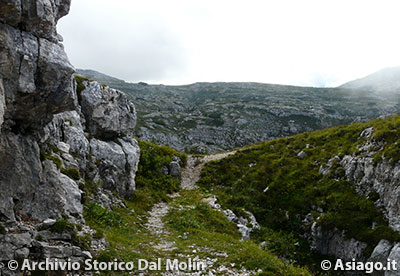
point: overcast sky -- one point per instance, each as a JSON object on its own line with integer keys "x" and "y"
{"x": 308, "y": 42}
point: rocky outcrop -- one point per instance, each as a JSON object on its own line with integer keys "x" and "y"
{"x": 245, "y": 224}
{"x": 54, "y": 144}
{"x": 107, "y": 111}
{"x": 377, "y": 179}
{"x": 334, "y": 243}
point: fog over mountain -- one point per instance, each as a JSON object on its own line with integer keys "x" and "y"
{"x": 306, "y": 43}
{"x": 386, "y": 80}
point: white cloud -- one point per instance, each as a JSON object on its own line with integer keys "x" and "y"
{"x": 310, "y": 42}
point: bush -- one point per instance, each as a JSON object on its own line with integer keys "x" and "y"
{"x": 57, "y": 161}
{"x": 71, "y": 173}
{"x": 61, "y": 226}
{"x": 101, "y": 216}
{"x": 150, "y": 180}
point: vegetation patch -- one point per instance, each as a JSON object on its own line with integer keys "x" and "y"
{"x": 153, "y": 185}
{"x": 201, "y": 217}
{"x": 72, "y": 173}
{"x": 45, "y": 156}
{"x": 281, "y": 189}
{"x": 61, "y": 226}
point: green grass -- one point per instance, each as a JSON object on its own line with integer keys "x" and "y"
{"x": 152, "y": 184}
{"x": 296, "y": 188}
{"x": 124, "y": 228}
{"x": 80, "y": 86}
{"x": 45, "y": 156}
{"x": 61, "y": 226}
{"x": 210, "y": 229}
{"x": 72, "y": 173}
{"x": 206, "y": 228}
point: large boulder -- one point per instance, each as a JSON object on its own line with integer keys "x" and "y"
{"x": 107, "y": 111}
{"x": 117, "y": 164}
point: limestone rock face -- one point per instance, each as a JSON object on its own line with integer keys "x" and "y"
{"x": 334, "y": 243}
{"x": 48, "y": 153}
{"x": 108, "y": 113}
{"x": 35, "y": 71}
{"x": 379, "y": 178}
{"x": 117, "y": 164}
{"x": 38, "y": 17}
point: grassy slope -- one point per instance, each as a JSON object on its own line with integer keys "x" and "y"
{"x": 296, "y": 188}
{"x": 129, "y": 240}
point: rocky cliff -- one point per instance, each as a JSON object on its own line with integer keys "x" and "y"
{"x": 61, "y": 144}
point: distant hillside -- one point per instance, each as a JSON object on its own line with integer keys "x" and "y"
{"x": 100, "y": 77}
{"x": 210, "y": 117}
{"x": 386, "y": 80}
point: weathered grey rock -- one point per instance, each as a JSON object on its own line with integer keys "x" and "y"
{"x": 326, "y": 169}
{"x": 242, "y": 223}
{"x": 37, "y": 78}
{"x": 56, "y": 195}
{"x": 117, "y": 164}
{"x": 381, "y": 252}
{"x": 39, "y": 17}
{"x": 334, "y": 243}
{"x": 7, "y": 251}
{"x": 231, "y": 216}
{"x": 10, "y": 11}
{"x": 21, "y": 253}
{"x": 2, "y": 103}
{"x": 107, "y": 199}
{"x": 302, "y": 154}
{"x": 66, "y": 127}
{"x": 47, "y": 223}
{"x": 174, "y": 169}
{"x": 107, "y": 111}
{"x": 14, "y": 246}
{"x": 48, "y": 236}
{"x": 382, "y": 178}
{"x": 44, "y": 130}
{"x": 60, "y": 252}
{"x": 18, "y": 240}
{"x": 108, "y": 152}
{"x": 394, "y": 256}
{"x": 19, "y": 163}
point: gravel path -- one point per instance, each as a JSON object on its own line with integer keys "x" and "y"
{"x": 155, "y": 223}
{"x": 191, "y": 173}
{"x": 189, "y": 176}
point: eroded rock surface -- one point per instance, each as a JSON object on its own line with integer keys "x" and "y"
{"x": 48, "y": 153}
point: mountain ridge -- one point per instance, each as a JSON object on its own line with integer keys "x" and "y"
{"x": 385, "y": 80}
{"x": 210, "y": 117}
